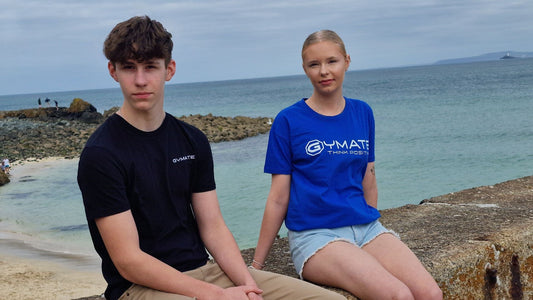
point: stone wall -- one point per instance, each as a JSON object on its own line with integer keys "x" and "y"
{"x": 477, "y": 243}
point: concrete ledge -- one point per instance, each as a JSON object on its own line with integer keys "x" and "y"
{"x": 477, "y": 243}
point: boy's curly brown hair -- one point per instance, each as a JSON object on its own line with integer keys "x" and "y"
{"x": 139, "y": 38}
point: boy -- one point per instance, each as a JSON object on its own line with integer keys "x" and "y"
{"x": 149, "y": 192}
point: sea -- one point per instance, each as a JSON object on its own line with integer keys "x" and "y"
{"x": 439, "y": 129}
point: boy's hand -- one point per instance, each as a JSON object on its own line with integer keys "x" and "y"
{"x": 244, "y": 292}
{"x": 254, "y": 296}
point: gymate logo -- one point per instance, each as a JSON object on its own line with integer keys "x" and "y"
{"x": 335, "y": 147}
{"x": 314, "y": 147}
{"x": 183, "y": 158}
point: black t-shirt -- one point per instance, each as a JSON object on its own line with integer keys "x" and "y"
{"x": 153, "y": 174}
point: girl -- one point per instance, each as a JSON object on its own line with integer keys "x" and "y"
{"x": 321, "y": 157}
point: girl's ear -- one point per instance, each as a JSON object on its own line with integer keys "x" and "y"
{"x": 348, "y": 61}
{"x": 305, "y": 70}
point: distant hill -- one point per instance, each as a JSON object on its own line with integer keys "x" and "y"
{"x": 486, "y": 57}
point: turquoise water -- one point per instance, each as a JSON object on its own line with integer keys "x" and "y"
{"x": 440, "y": 129}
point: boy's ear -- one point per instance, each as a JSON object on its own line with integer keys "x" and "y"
{"x": 171, "y": 69}
{"x": 112, "y": 70}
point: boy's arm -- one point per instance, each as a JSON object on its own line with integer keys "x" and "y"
{"x": 218, "y": 240}
{"x": 122, "y": 242}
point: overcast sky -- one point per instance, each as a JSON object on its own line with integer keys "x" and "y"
{"x": 57, "y": 45}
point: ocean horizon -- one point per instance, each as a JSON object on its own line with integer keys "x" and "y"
{"x": 439, "y": 129}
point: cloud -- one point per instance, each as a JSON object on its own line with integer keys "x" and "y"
{"x": 58, "y": 45}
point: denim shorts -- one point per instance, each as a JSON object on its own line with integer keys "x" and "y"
{"x": 304, "y": 244}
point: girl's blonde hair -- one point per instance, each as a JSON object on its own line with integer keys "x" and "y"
{"x": 321, "y": 36}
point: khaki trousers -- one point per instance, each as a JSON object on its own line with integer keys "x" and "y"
{"x": 274, "y": 286}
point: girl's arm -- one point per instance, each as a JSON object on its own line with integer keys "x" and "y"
{"x": 275, "y": 212}
{"x": 370, "y": 186}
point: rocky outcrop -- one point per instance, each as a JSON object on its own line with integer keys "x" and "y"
{"x": 36, "y": 139}
{"x": 220, "y": 129}
{"x": 62, "y": 132}
{"x": 79, "y": 110}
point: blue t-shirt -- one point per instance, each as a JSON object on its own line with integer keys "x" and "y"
{"x": 326, "y": 157}
{"x": 153, "y": 174}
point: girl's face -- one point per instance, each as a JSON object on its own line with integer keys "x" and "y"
{"x": 325, "y": 65}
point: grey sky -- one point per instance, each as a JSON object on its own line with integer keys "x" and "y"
{"x": 57, "y": 45}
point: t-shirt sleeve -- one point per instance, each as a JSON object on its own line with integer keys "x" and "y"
{"x": 204, "y": 179}
{"x": 278, "y": 156}
{"x": 371, "y": 136}
{"x": 102, "y": 183}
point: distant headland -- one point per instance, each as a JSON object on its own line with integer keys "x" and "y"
{"x": 486, "y": 57}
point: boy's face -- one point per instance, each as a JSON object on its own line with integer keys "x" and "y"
{"x": 143, "y": 83}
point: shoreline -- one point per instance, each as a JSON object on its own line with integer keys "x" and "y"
{"x": 28, "y": 272}
{"x": 18, "y": 244}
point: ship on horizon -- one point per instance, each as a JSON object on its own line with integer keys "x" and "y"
{"x": 507, "y": 56}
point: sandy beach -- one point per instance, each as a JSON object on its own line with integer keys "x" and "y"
{"x": 29, "y": 273}
{"x": 39, "y": 279}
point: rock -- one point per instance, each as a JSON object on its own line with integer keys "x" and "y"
{"x": 4, "y": 179}
{"x": 477, "y": 243}
{"x": 84, "y": 111}
{"x": 110, "y": 111}
{"x": 79, "y": 105}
